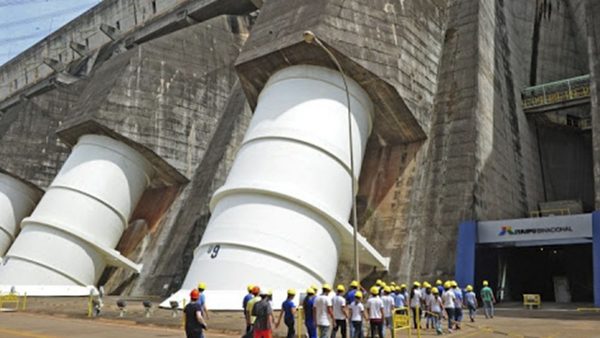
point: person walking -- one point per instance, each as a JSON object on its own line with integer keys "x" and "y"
{"x": 354, "y": 285}
{"x": 388, "y": 309}
{"x": 263, "y": 325}
{"x": 309, "y": 320}
{"x": 458, "y": 305}
{"x": 340, "y": 313}
{"x": 487, "y": 296}
{"x": 202, "y": 299}
{"x": 399, "y": 301}
{"x": 249, "y": 306}
{"x": 194, "y": 321}
{"x": 357, "y": 313}
{"x": 435, "y": 306}
{"x": 448, "y": 300}
{"x": 415, "y": 302}
{"x": 323, "y": 312}
{"x": 471, "y": 300}
{"x": 374, "y": 309}
{"x": 288, "y": 311}
{"x": 245, "y": 301}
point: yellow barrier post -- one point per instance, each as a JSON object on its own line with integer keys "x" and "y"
{"x": 24, "y": 307}
{"x": 532, "y": 299}
{"x": 418, "y": 322}
{"x": 401, "y": 321}
{"x": 90, "y": 305}
{"x": 183, "y": 312}
{"x": 300, "y": 319}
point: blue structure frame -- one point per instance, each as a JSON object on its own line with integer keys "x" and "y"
{"x": 467, "y": 242}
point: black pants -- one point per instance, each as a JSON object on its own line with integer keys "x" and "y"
{"x": 376, "y": 328}
{"x": 357, "y": 325}
{"x": 416, "y": 313}
{"x": 339, "y": 324}
{"x": 291, "y": 325}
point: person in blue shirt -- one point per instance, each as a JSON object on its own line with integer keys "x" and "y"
{"x": 439, "y": 285}
{"x": 308, "y": 305}
{"x": 202, "y": 299}
{"x": 399, "y": 300}
{"x": 288, "y": 311}
{"x": 245, "y": 302}
{"x": 350, "y": 295}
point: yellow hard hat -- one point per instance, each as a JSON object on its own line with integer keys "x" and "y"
{"x": 393, "y": 283}
{"x": 341, "y": 288}
{"x": 438, "y": 282}
{"x": 387, "y": 289}
{"x": 202, "y": 286}
{"x": 379, "y": 282}
{"x": 426, "y": 285}
{"x": 326, "y": 287}
{"x": 403, "y": 286}
{"x": 417, "y": 284}
{"x": 310, "y": 291}
{"x": 269, "y": 292}
{"x": 291, "y": 292}
{"x": 435, "y": 291}
{"x": 469, "y": 288}
{"x": 250, "y": 286}
{"x": 447, "y": 285}
{"x": 374, "y": 290}
{"x": 314, "y": 287}
{"x": 454, "y": 284}
{"x": 358, "y": 294}
{"x": 485, "y": 283}
{"x": 398, "y": 288}
{"x": 354, "y": 283}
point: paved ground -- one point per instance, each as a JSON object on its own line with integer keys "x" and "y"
{"x": 58, "y": 317}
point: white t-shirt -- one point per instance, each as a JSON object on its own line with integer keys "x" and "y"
{"x": 449, "y": 298}
{"x": 356, "y": 310}
{"x": 375, "y": 307}
{"x": 388, "y": 305}
{"x": 416, "y": 299}
{"x": 321, "y": 304}
{"x": 433, "y": 304}
{"x": 338, "y": 307}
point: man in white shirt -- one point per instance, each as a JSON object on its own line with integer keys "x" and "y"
{"x": 375, "y": 312}
{"x": 339, "y": 312}
{"x": 357, "y": 311}
{"x": 449, "y": 300}
{"x": 323, "y": 312}
{"x": 388, "y": 308}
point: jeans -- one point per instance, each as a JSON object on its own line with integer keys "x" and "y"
{"x": 450, "y": 313}
{"x": 357, "y": 329}
{"x": 458, "y": 315}
{"x": 472, "y": 310}
{"x": 291, "y": 325}
{"x": 488, "y": 308}
{"x": 416, "y": 315}
{"x": 376, "y": 328}
{"x": 436, "y": 321}
{"x": 389, "y": 325}
{"x": 341, "y": 325}
{"x": 323, "y": 331}
{"x": 311, "y": 329}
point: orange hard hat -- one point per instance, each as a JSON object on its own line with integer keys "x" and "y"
{"x": 194, "y": 294}
{"x": 255, "y": 290}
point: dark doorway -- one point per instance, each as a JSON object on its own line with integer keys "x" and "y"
{"x": 535, "y": 270}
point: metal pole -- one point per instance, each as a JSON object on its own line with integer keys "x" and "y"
{"x": 309, "y": 37}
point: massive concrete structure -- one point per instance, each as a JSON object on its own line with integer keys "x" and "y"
{"x": 177, "y": 81}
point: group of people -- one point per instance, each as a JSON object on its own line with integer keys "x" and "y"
{"x": 346, "y": 311}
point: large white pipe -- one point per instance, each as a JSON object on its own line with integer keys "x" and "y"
{"x": 280, "y": 217}
{"x": 72, "y": 233}
{"x": 17, "y": 200}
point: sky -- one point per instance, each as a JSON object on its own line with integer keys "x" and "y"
{"x": 25, "y": 22}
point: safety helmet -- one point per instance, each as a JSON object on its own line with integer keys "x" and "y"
{"x": 310, "y": 291}
{"x": 426, "y": 285}
{"x": 379, "y": 282}
{"x": 393, "y": 284}
{"x": 354, "y": 284}
{"x": 398, "y": 288}
{"x": 326, "y": 287}
{"x": 250, "y": 286}
{"x": 435, "y": 291}
{"x": 341, "y": 288}
{"x": 485, "y": 283}
{"x": 403, "y": 286}
{"x": 270, "y": 292}
{"x": 358, "y": 294}
{"x": 469, "y": 288}
{"x": 454, "y": 284}
{"x": 314, "y": 287}
{"x": 202, "y": 286}
{"x": 291, "y": 292}
{"x": 447, "y": 285}
{"x": 387, "y": 289}
{"x": 417, "y": 284}
{"x": 255, "y": 290}
{"x": 374, "y": 290}
{"x": 438, "y": 282}
{"x": 195, "y": 294}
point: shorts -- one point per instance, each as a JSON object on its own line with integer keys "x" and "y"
{"x": 262, "y": 333}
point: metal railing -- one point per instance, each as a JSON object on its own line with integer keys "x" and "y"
{"x": 556, "y": 92}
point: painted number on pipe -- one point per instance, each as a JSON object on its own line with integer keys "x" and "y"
{"x": 214, "y": 250}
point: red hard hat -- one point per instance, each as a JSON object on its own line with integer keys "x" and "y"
{"x": 194, "y": 294}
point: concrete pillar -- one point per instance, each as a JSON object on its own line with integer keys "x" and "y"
{"x": 17, "y": 200}
{"x": 72, "y": 233}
